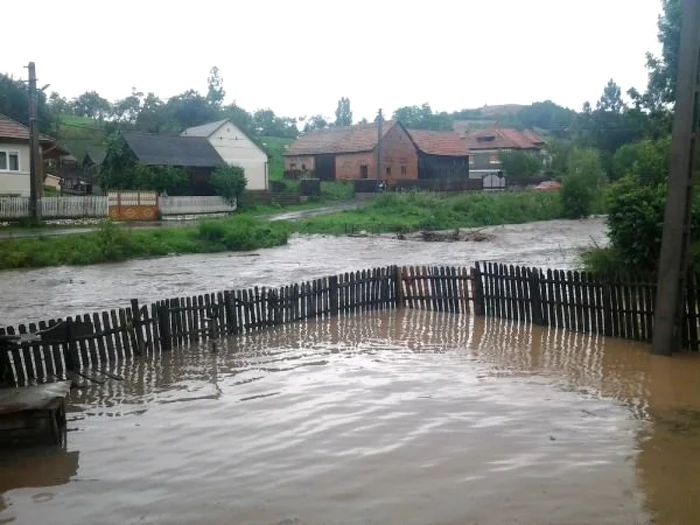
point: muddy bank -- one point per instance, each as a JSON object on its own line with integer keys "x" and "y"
{"x": 34, "y": 295}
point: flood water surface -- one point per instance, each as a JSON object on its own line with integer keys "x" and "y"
{"x": 48, "y": 293}
{"x": 404, "y": 417}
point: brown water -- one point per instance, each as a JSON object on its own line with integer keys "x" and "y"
{"x": 404, "y": 417}
{"x": 35, "y": 295}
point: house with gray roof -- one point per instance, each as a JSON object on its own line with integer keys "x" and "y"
{"x": 195, "y": 155}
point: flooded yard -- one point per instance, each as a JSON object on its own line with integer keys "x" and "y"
{"x": 406, "y": 417}
{"x": 46, "y": 293}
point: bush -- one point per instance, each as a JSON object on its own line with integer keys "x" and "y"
{"x": 229, "y": 182}
{"x": 576, "y": 197}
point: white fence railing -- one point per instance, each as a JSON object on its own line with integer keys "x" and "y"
{"x": 56, "y": 207}
{"x": 194, "y": 205}
{"x": 97, "y": 207}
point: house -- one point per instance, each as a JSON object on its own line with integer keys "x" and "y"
{"x": 486, "y": 147}
{"x": 441, "y": 154}
{"x": 350, "y": 153}
{"x": 237, "y": 149}
{"x": 15, "y": 155}
{"x": 195, "y": 155}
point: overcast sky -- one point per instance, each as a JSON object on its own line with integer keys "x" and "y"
{"x": 299, "y": 57}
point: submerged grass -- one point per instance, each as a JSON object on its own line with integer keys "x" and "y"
{"x": 405, "y": 212}
{"x": 112, "y": 243}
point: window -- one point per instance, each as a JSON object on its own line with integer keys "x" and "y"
{"x": 364, "y": 172}
{"x": 293, "y": 166}
{"x": 388, "y": 170}
{"x": 9, "y": 161}
{"x": 303, "y": 167}
{"x": 403, "y": 170}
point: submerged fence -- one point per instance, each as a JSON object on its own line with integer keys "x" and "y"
{"x": 580, "y": 301}
{"x": 86, "y": 347}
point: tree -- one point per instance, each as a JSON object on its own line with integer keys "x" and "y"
{"x": 316, "y": 122}
{"x": 343, "y": 114}
{"x": 128, "y": 109}
{"x": 582, "y": 183}
{"x": 611, "y": 100}
{"x": 422, "y": 117}
{"x": 91, "y": 105}
{"x": 189, "y": 109}
{"x": 239, "y": 116}
{"x": 647, "y": 160}
{"x": 265, "y": 122}
{"x": 151, "y": 115}
{"x": 14, "y": 103}
{"x": 229, "y": 182}
{"x": 215, "y": 91}
{"x": 663, "y": 70}
{"x": 519, "y": 164}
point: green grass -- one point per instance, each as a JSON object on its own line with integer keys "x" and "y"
{"x": 275, "y": 147}
{"x": 405, "y": 212}
{"x": 112, "y": 243}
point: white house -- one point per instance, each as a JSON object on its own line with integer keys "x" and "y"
{"x": 14, "y": 157}
{"x": 237, "y": 149}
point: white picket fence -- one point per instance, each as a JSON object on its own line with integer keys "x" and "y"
{"x": 194, "y": 205}
{"x": 56, "y": 207}
{"x": 94, "y": 206}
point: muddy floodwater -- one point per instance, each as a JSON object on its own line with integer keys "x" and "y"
{"x": 403, "y": 418}
{"x": 47, "y": 293}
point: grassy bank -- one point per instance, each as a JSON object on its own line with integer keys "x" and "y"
{"x": 112, "y": 243}
{"x": 405, "y": 212}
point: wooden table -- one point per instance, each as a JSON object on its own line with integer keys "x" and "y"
{"x": 34, "y": 410}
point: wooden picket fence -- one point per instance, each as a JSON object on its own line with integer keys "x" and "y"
{"x": 88, "y": 347}
{"x": 579, "y": 301}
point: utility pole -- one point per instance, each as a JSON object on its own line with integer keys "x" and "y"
{"x": 380, "y": 121}
{"x": 34, "y": 167}
{"x": 673, "y": 262}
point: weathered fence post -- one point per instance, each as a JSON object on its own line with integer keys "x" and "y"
{"x": 607, "y": 307}
{"x": 477, "y": 285}
{"x": 398, "y": 286}
{"x": 166, "y": 342}
{"x": 71, "y": 354}
{"x": 230, "y": 313}
{"x": 136, "y": 319}
{"x": 333, "y": 295}
{"x": 535, "y": 296}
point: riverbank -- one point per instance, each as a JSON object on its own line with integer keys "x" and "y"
{"x": 112, "y": 243}
{"x": 411, "y": 212}
{"x": 389, "y": 213}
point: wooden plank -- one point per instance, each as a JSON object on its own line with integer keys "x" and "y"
{"x": 147, "y": 327}
{"x": 131, "y": 331}
{"x": 600, "y": 304}
{"x": 119, "y": 351}
{"x": 49, "y": 354}
{"x": 587, "y": 304}
{"x": 614, "y": 308}
{"x": 247, "y": 323}
{"x": 110, "y": 351}
{"x": 576, "y": 310}
{"x": 634, "y": 290}
{"x": 606, "y": 292}
{"x": 209, "y": 318}
{"x": 124, "y": 332}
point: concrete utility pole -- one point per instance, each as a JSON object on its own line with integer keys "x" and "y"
{"x": 673, "y": 263}
{"x": 34, "y": 167}
{"x": 380, "y": 122}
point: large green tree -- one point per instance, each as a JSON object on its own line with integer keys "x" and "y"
{"x": 91, "y": 105}
{"x": 663, "y": 70}
{"x": 423, "y": 117}
{"x": 14, "y": 103}
{"x": 215, "y": 90}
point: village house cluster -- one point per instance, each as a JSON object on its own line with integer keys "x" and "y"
{"x": 348, "y": 153}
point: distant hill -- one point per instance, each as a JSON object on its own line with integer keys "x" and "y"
{"x": 545, "y": 117}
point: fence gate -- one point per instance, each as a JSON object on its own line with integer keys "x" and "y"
{"x": 133, "y": 205}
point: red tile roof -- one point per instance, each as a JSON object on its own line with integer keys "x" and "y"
{"x": 503, "y": 138}
{"x": 446, "y": 143}
{"x": 11, "y": 129}
{"x": 347, "y": 139}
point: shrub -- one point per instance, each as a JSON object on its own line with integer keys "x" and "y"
{"x": 229, "y": 182}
